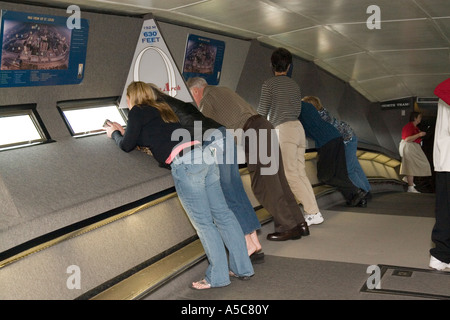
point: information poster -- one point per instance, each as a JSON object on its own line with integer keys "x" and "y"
{"x": 153, "y": 63}
{"x": 203, "y": 58}
{"x": 41, "y": 50}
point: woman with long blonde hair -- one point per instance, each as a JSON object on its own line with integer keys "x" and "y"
{"x": 141, "y": 93}
{"x": 196, "y": 178}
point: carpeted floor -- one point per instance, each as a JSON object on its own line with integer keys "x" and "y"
{"x": 280, "y": 278}
{"x": 396, "y": 203}
{"x": 393, "y": 233}
{"x": 301, "y": 280}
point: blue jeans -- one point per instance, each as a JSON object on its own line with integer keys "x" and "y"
{"x": 196, "y": 178}
{"x": 231, "y": 181}
{"x": 355, "y": 172}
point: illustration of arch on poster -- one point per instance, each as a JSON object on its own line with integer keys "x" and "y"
{"x": 153, "y": 63}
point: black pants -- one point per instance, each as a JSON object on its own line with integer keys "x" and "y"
{"x": 332, "y": 168}
{"x": 271, "y": 190}
{"x": 441, "y": 229}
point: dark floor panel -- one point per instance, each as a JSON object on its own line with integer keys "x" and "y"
{"x": 397, "y": 203}
{"x": 411, "y": 281}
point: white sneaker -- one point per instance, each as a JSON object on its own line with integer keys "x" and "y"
{"x": 314, "y": 218}
{"x": 437, "y": 264}
{"x": 412, "y": 189}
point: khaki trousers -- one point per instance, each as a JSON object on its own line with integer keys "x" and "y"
{"x": 292, "y": 139}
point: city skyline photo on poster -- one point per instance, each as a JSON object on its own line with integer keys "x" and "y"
{"x": 203, "y": 58}
{"x": 40, "y": 50}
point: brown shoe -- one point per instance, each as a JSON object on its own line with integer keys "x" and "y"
{"x": 293, "y": 234}
{"x": 304, "y": 228}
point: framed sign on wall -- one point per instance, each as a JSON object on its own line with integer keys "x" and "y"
{"x": 203, "y": 58}
{"x": 41, "y": 50}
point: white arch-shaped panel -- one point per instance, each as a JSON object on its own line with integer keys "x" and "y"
{"x": 170, "y": 70}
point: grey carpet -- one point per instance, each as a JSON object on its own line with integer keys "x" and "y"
{"x": 280, "y": 278}
{"x": 397, "y": 203}
{"x": 332, "y": 263}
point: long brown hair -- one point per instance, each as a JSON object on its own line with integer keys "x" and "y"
{"x": 140, "y": 93}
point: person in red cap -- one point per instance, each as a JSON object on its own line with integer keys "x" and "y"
{"x": 440, "y": 254}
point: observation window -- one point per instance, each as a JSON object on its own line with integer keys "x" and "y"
{"x": 21, "y": 126}
{"x": 86, "y": 117}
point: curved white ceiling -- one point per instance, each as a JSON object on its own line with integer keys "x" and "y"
{"x": 407, "y": 56}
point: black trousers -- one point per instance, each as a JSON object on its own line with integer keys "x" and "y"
{"x": 332, "y": 168}
{"x": 271, "y": 190}
{"x": 441, "y": 230}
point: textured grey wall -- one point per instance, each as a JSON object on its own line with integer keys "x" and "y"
{"x": 47, "y": 187}
{"x": 235, "y": 51}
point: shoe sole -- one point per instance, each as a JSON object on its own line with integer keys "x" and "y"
{"x": 293, "y": 238}
{"x": 315, "y": 223}
{"x": 439, "y": 268}
{"x": 242, "y": 278}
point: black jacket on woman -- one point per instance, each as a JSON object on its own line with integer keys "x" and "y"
{"x": 188, "y": 114}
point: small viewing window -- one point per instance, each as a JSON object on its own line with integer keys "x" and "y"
{"x": 21, "y": 126}
{"x": 86, "y": 117}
